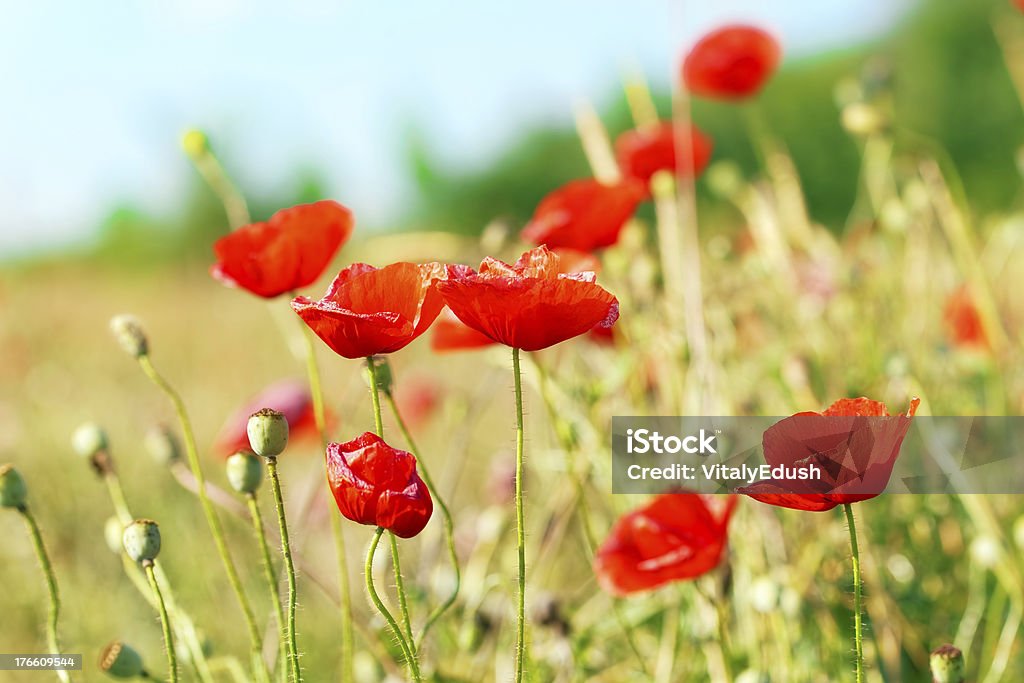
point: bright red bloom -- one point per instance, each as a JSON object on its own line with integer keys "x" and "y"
{"x": 731, "y": 63}
{"x": 367, "y": 310}
{"x": 289, "y": 251}
{"x": 530, "y": 305}
{"x": 377, "y": 485}
{"x": 642, "y": 152}
{"x": 584, "y": 214}
{"x": 963, "y": 320}
{"x": 854, "y": 443}
{"x": 674, "y": 537}
{"x": 287, "y": 396}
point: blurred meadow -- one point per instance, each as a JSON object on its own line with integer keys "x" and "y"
{"x": 858, "y": 232}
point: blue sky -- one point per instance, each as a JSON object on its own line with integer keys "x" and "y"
{"x": 95, "y": 100}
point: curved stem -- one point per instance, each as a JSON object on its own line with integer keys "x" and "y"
{"x": 165, "y": 622}
{"x": 211, "y": 515}
{"x": 410, "y": 659}
{"x": 51, "y": 585}
{"x": 520, "y": 531}
{"x": 449, "y": 527}
{"x": 269, "y": 574}
{"x": 858, "y": 634}
{"x": 286, "y": 550}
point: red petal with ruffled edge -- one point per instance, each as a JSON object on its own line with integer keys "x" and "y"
{"x": 584, "y": 214}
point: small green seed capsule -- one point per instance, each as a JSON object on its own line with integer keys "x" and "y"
{"x": 113, "y": 530}
{"x": 141, "y": 540}
{"x": 118, "y": 660}
{"x": 268, "y": 432}
{"x": 13, "y": 490}
{"x": 129, "y": 334}
{"x": 89, "y": 439}
{"x": 947, "y": 664}
{"x": 385, "y": 378}
{"x": 162, "y": 444}
{"x": 245, "y": 472}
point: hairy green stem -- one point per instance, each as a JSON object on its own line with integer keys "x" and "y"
{"x": 410, "y": 658}
{"x": 520, "y": 531}
{"x": 51, "y": 585}
{"x": 269, "y": 573}
{"x": 289, "y": 566}
{"x": 858, "y": 629}
{"x": 165, "y": 623}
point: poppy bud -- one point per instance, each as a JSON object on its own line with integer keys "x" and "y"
{"x": 129, "y": 334}
{"x": 245, "y": 472}
{"x": 112, "y": 531}
{"x": 141, "y": 540}
{"x": 195, "y": 143}
{"x": 13, "y": 490}
{"x": 384, "y": 376}
{"x": 89, "y": 439}
{"x": 118, "y": 660}
{"x": 947, "y": 665}
{"x": 162, "y": 444}
{"x": 268, "y": 432}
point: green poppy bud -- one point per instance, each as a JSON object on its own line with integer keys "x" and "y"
{"x": 947, "y": 664}
{"x": 162, "y": 444}
{"x": 13, "y": 490}
{"x": 89, "y": 439}
{"x": 112, "y": 532}
{"x": 141, "y": 540}
{"x": 245, "y": 472}
{"x": 195, "y": 143}
{"x": 385, "y": 379}
{"x": 118, "y": 660}
{"x": 129, "y": 334}
{"x": 268, "y": 432}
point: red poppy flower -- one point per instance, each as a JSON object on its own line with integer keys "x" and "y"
{"x": 376, "y": 484}
{"x": 287, "y": 252}
{"x": 731, "y": 63}
{"x": 676, "y": 536}
{"x": 963, "y": 320}
{"x": 367, "y": 310}
{"x": 854, "y": 444}
{"x": 584, "y": 214}
{"x": 288, "y": 396}
{"x": 530, "y": 305}
{"x": 642, "y": 152}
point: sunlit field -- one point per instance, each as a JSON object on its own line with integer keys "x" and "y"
{"x": 732, "y": 299}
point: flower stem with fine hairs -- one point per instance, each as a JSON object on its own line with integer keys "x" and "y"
{"x": 51, "y": 585}
{"x": 449, "y": 529}
{"x": 520, "y": 531}
{"x": 289, "y": 566}
{"x": 858, "y": 635}
{"x": 410, "y": 658}
{"x": 165, "y": 623}
{"x": 212, "y": 520}
{"x": 268, "y": 573}
{"x": 320, "y": 416}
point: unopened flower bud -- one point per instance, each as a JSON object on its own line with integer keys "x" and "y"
{"x": 245, "y": 472}
{"x": 385, "y": 379}
{"x": 118, "y": 660}
{"x": 268, "y": 432}
{"x": 162, "y": 444}
{"x": 13, "y": 490}
{"x": 129, "y": 334}
{"x": 195, "y": 143}
{"x": 141, "y": 540}
{"x": 112, "y": 532}
{"x": 947, "y": 664}
{"x": 89, "y": 439}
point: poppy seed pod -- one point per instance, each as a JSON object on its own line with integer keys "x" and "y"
{"x": 112, "y": 531}
{"x": 245, "y": 472}
{"x": 118, "y": 660}
{"x": 268, "y": 432}
{"x": 162, "y": 444}
{"x": 141, "y": 540}
{"x": 947, "y": 665}
{"x": 89, "y": 439}
{"x": 130, "y": 335}
{"x": 13, "y": 490}
{"x": 385, "y": 380}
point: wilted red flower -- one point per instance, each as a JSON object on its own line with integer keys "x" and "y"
{"x": 674, "y": 537}
{"x": 963, "y": 320}
{"x": 584, "y": 214}
{"x": 367, "y": 310}
{"x": 854, "y": 443}
{"x": 287, "y": 252}
{"x": 531, "y": 305}
{"x": 644, "y": 151}
{"x": 287, "y": 396}
{"x": 376, "y": 484}
{"x": 731, "y": 63}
